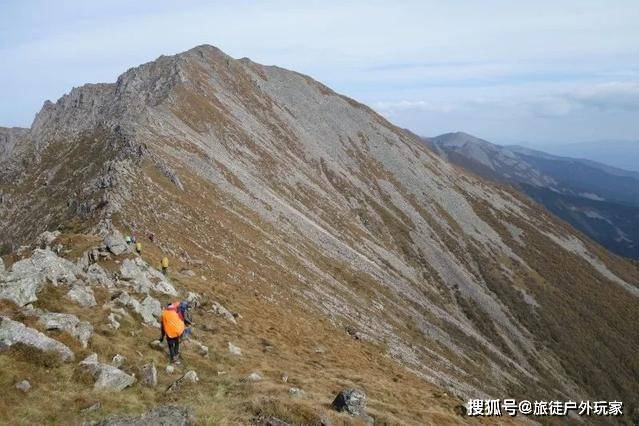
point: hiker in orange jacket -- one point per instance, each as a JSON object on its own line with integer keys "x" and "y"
{"x": 172, "y": 326}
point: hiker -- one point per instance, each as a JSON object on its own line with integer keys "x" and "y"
{"x": 133, "y": 238}
{"x": 185, "y": 315}
{"x": 138, "y": 247}
{"x": 128, "y": 239}
{"x": 151, "y": 237}
{"x": 172, "y": 326}
{"x": 165, "y": 265}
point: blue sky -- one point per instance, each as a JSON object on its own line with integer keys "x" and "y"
{"x": 536, "y": 71}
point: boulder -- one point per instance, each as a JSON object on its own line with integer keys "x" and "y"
{"x": 82, "y": 295}
{"x": 81, "y": 330}
{"x": 351, "y": 401}
{"x": 106, "y": 376}
{"x": 149, "y": 375}
{"x": 12, "y": 332}
{"x": 150, "y": 310}
{"x": 131, "y": 271}
{"x": 96, "y": 275}
{"x": 220, "y": 310}
{"x": 165, "y": 415}
{"x": 2, "y": 268}
{"x": 234, "y": 350}
{"x": 23, "y": 385}
{"x": 27, "y": 276}
{"x": 115, "y": 242}
{"x": 189, "y": 377}
{"x": 165, "y": 287}
{"x": 144, "y": 278}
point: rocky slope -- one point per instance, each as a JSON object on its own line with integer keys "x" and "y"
{"x": 599, "y": 200}
{"x": 295, "y": 199}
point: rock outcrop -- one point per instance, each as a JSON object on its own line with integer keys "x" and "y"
{"x": 27, "y": 276}
{"x": 106, "y": 376}
{"x": 82, "y": 330}
{"x": 12, "y": 332}
{"x": 351, "y": 401}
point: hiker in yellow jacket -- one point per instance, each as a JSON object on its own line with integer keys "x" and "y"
{"x": 165, "y": 265}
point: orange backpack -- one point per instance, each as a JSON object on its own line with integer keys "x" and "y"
{"x": 172, "y": 323}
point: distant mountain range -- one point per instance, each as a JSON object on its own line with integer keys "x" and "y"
{"x": 600, "y": 200}
{"x": 621, "y": 154}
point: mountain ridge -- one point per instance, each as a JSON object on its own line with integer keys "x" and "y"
{"x": 308, "y": 198}
{"x": 599, "y": 200}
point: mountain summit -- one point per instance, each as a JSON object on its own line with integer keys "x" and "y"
{"x": 290, "y": 198}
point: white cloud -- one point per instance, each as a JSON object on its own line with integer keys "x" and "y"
{"x": 612, "y": 96}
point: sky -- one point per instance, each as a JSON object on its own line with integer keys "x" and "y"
{"x": 532, "y": 72}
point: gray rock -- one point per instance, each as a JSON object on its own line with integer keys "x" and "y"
{"x": 106, "y": 376}
{"x": 27, "y": 276}
{"x": 47, "y": 238}
{"x": 118, "y": 360}
{"x": 82, "y": 295}
{"x": 2, "y": 268}
{"x": 113, "y": 321}
{"x": 165, "y": 287}
{"x": 351, "y": 401}
{"x": 189, "y": 377}
{"x": 296, "y": 392}
{"x": 23, "y": 385}
{"x": 144, "y": 278}
{"x": 193, "y": 299}
{"x": 115, "y": 242}
{"x": 149, "y": 375}
{"x": 166, "y": 415}
{"x": 12, "y": 332}
{"x": 234, "y": 350}
{"x": 150, "y": 310}
{"x": 220, "y": 310}
{"x": 97, "y": 275}
{"x": 201, "y": 349}
{"x": 254, "y": 377}
{"x": 81, "y": 330}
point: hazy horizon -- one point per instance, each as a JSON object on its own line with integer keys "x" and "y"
{"x": 538, "y": 72}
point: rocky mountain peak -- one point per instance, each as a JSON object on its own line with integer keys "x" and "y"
{"x": 300, "y": 198}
